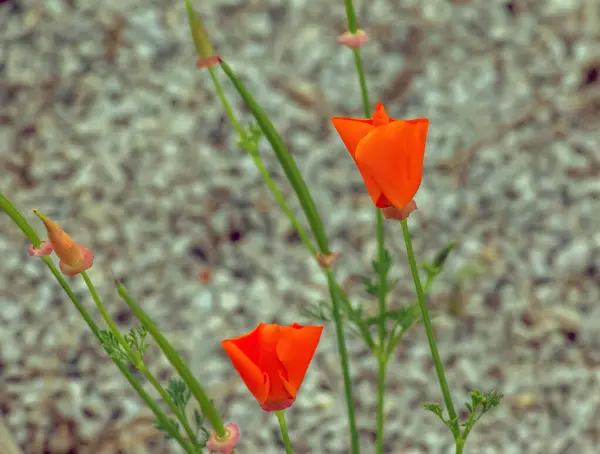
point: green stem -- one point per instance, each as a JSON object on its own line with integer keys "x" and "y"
{"x": 284, "y": 431}
{"x": 396, "y": 335}
{"x": 351, "y": 15}
{"x": 362, "y": 80}
{"x": 286, "y": 160}
{"x": 19, "y": 220}
{"x": 439, "y": 367}
{"x": 228, "y": 109}
{"x": 383, "y": 284}
{"x": 345, "y": 364}
{"x": 136, "y": 359}
{"x": 381, "y": 372}
{"x": 460, "y": 443}
{"x": 135, "y": 384}
{"x": 260, "y": 165}
{"x": 206, "y": 405}
{"x": 381, "y": 358}
{"x": 293, "y": 174}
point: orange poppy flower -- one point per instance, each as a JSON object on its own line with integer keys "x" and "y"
{"x": 389, "y": 154}
{"x": 272, "y": 360}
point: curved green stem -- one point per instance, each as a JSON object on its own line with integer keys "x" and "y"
{"x": 284, "y": 431}
{"x": 286, "y": 160}
{"x": 137, "y": 360}
{"x": 439, "y": 367}
{"x": 135, "y": 384}
{"x": 206, "y": 405}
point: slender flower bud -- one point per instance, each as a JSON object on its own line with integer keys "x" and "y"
{"x": 73, "y": 258}
{"x": 202, "y": 41}
{"x": 44, "y": 249}
{"x": 226, "y": 444}
{"x": 353, "y": 40}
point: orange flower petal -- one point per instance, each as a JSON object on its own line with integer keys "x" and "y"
{"x": 392, "y": 155}
{"x": 256, "y": 381}
{"x": 296, "y": 349}
{"x": 352, "y": 130}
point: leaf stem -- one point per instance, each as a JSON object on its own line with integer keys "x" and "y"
{"x": 284, "y": 431}
{"x": 439, "y": 366}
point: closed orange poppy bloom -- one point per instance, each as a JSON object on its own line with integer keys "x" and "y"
{"x": 272, "y": 360}
{"x": 389, "y": 154}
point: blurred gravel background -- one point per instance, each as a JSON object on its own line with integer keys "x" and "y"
{"x": 107, "y": 126}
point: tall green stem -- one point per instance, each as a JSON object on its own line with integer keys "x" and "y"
{"x": 137, "y": 360}
{"x": 316, "y": 224}
{"x": 206, "y": 405}
{"x": 381, "y": 372}
{"x": 439, "y": 367}
{"x": 284, "y": 431}
{"x": 383, "y": 285}
{"x": 345, "y": 363}
{"x": 135, "y": 384}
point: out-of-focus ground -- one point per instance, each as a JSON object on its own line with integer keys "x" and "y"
{"x": 107, "y": 126}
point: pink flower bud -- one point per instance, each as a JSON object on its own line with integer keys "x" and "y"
{"x": 353, "y": 40}
{"x": 400, "y": 214}
{"x": 73, "y": 258}
{"x": 44, "y": 249}
{"x": 226, "y": 444}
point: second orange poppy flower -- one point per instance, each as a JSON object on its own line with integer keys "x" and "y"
{"x": 272, "y": 360}
{"x": 389, "y": 154}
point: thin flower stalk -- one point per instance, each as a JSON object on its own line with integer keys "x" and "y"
{"x": 34, "y": 238}
{"x": 206, "y": 405}
{"x": 439, "y": 366}
{"x": 284, "y": 431}
{"x": 252, "y": 150}
{"x": 285, "y": 159}
{"x": 381, "y": 372}
{"x": 136, "y": 359}
{"x": 316, "y": 225}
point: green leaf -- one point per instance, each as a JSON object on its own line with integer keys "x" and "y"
{"x": 436, "y": 409}
{"x": 179, "y": 393}
{"x": 480, "y": 404}
{"x": 405, "y": 317}
{"x": 111, "y": 344}
{"x": 170, "y": 428}
{"x": 385, "y": 265}
{"x": 442, "y": 256}
{"x": 372, "y": 288}
{"x": 320, "y": 311}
